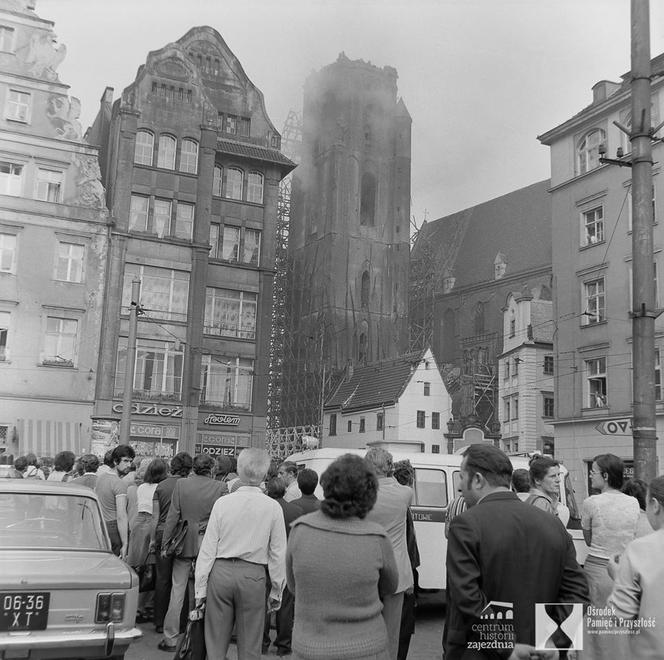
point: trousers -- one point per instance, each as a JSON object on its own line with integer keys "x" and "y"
{"x": 179, "y": 581}
{"x": 235, "y": 596}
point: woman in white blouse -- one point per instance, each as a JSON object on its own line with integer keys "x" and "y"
{"x": 609, "y": 522}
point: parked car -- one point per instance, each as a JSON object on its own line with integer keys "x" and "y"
{"x": 63, "y": 593}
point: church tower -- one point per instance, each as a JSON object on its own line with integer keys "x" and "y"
{"x": 349, "y": 229}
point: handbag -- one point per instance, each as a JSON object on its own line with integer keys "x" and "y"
{"x": 147, "y": 574}
{"x": 192, "y": 644}
{"x": 175, "y": 544}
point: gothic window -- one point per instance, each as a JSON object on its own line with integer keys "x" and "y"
{"x": 364, "y": 291}
{"x": 368, "y": 200}
{"x": 362, "y": 349}
{"x": 479, "y": 318}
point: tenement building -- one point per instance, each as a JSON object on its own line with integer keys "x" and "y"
{"x": 191, "y": 164}
{"x": 349, "y": 232}
{"x": 592, "y": 268}
{"x": 53, "y": 237}
{"x": 526, "y": 402}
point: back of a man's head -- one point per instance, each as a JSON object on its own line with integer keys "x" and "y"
{"x": 203, "y": 464}
{"x": 252, "y": 465}
{"x": 307, "y": 480}
{"x": 521, "y": 480}
{"x": 380, "y": 460}
{"x": 224, "y": 466}
{"x": 275, "y": 488}
{"x": 489, "y": 461}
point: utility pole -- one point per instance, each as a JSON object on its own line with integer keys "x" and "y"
{"x": 125, "y": 418}
{"x": 643, "y": 286}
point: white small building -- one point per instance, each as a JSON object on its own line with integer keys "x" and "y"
{"x": 400, "y": 404}
{"x": 526, "y": 373}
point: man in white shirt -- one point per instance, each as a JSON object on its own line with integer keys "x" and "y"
{"x": 245, "y": 536}
{"x": 288, "y": 472}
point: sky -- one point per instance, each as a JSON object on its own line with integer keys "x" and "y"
{"x": 480, "y": 78}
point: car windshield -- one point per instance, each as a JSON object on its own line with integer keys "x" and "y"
{"x": 33, "y": 521}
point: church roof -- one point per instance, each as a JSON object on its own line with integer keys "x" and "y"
{"x": 465, "y": 245}
{"x": 379, "y": 383}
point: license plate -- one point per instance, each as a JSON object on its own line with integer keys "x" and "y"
{"x": 23, "y": 610}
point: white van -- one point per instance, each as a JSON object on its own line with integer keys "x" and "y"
{"x": 436, "y": 484}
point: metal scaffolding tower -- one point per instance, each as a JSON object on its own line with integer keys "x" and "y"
{"x": 281, "y": 440}
{"x": 423, "y": 289}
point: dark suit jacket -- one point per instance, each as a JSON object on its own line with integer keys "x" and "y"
{"x": 308, "y": 503}
{"x": 291, "y": 512}
{"x": 504, "y": 550}
{"x": 192, "y": 500}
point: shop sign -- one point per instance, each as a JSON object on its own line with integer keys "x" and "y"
{"x": 151, "y": 409}
{"x": 154, "y": 431}
{"x": 615, "y": 427}
{"x": 215, "y": 450}
{"x": 216, "y": 439}
{"x": 222, "y": 420}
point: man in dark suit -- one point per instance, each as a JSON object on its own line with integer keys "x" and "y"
{"x": 307, "y": 480}
{"x": 502, "y": 550}
{"x": 192, "y": 500}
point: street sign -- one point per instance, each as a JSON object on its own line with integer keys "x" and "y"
{"x": 615, "y": 427}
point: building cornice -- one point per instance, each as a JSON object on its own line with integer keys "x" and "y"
{"x": 547, "y": 346}
{"x": 516, "y": 277}
{"x": 591, "y": 114}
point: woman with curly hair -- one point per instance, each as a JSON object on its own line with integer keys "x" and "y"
{"x": 338, "y": 565}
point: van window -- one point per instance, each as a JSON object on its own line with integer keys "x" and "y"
{"x": 430, "y": 488}
{"x": 456, "y": 480}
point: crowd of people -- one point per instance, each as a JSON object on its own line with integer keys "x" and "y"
{"x": 249, "y": 543}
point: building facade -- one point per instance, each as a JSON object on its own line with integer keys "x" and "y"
{"x": 526, "y": 400}
{"x": 592, "y": 257}
{"x": 349, "y": 232}
{"x": 192, "y": 165}
{"x": 400, "y": 404}
{"x": 463, "y": 267}
{"x": 53, "y": 239}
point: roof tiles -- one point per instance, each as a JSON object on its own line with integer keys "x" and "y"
{"x": 255, "y": 152}
{"x": 376, "y": 384}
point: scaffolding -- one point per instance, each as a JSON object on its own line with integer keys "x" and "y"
{"x": 422, "y": 291}
{"x": 293, "y": 392}
{"x": 471, "y": 382}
